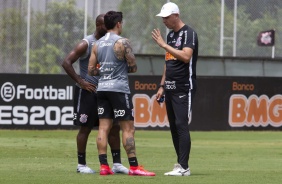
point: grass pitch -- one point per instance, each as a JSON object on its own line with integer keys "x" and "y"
{"x": 30, "y": 156}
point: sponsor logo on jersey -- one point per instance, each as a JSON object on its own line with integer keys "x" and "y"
{"x": 170, "y": 85}
{"x": 169, "y": 56}
{"x": 108, "y": 76}
{"x": 108, "y": 84}
{"x": 108, "y": 69}
{"x": 105, "y": 44}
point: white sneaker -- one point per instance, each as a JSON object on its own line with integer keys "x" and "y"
{"x": 84, "y": 169}
{"x": 178, "y": 171}
{"x": 119, "y": 168}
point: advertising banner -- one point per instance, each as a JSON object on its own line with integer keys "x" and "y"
{"x": 36, "y": 101}
{"x": 238, "y": 103}
{"x": 221, "y": 103}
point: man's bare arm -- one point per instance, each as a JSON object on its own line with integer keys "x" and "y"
{"x": 93, "y": 70}
{"x": 123, "y": 50}
{"x": 72, "y": 57}
{"x": 183, "y": 55}
{"x": 129, "y": 56}
{"x": 119, "y": 50}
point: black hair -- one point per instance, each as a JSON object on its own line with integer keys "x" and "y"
{"x": 112, "y": 18}
{"x": 99, "y": 17}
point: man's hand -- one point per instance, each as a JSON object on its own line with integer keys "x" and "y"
{"x": 159, "y": 94}
{"x": 87, "y": 86}
{"x": 157, "y": 37}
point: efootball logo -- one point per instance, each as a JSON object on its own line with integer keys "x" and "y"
{"x": 8, "y": 92}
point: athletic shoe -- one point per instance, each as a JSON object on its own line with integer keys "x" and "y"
{"x": 140, "y": 171}
{"x": 119, "y": 168}
{"x": 84, "y": 169}
{"x": 178, "y": 171}
{"x": 105, "y": 170}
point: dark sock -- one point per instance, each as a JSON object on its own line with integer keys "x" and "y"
{"x": 81, "y": 158}
{"x": 103, "y": 159}
{"x": 116, "y": 156}
{"x": 133, "y": 161}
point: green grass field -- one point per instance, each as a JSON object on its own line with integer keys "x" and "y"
{"x": 30, "y": 156}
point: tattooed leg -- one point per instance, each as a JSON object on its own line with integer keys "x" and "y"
{"x": 128, "y": 138}
{"x": 130, "y": 146}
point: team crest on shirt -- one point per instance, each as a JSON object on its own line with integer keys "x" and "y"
{"x": 181, "y": 33}
{"x": 171, "y": 35}
{"x": 83, "y": 118}
{"x": 178, "y": 41}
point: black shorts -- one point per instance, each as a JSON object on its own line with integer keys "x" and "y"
{"x": 115, "y": 105}
{"x": 85, "y": 108}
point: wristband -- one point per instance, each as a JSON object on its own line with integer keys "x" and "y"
{"x": 161, "y": 86}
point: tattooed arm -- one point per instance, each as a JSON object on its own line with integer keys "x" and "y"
{"x": 92, "y": 65}
{"x": 123, "y": 50}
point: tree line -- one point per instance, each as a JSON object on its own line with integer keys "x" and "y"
{"x": 55, "y": 32}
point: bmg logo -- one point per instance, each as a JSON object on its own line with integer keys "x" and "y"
{"x": 8, "y": 92}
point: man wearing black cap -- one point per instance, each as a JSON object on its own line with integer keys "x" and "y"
{"x": 178, "y": 81}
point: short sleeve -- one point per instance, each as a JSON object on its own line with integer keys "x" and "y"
{"x": 190, "y": 38}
